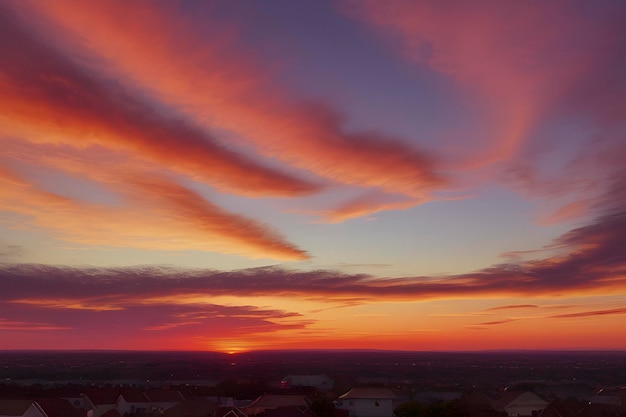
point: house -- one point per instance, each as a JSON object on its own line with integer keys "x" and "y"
{"x": 70, "y": 393}
{"x": 288, "y": 412}
{"x": 367, "y": 402}
{"x": 20, "y": 408}
{"x": 58, "y": 407}
{"x": 478, "y": 404}
{"x": 100, "y": 400}
{"x": 163, "y": 399}
{"x": 562, "y": 408}
{"x": 195, "y": 407}
{"x": 521, "y": 403}
{"x": 131, "y": 400}
{"x": 321, "y": 382}
{"x": 226, "y": 411}
{"x": 272, "y": 401}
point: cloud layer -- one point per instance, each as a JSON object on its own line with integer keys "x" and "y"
{"x": 160, "y": 126}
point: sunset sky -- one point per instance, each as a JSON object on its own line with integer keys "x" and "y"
{"x": 241, "y": 175}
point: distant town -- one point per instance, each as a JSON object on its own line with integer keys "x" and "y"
{"x": 312, "y": 384}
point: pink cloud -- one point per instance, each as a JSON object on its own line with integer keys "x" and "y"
{"x": 310, "y": 136}
{"x": 542, "y": 74}
{"x": 156, "y": 213}
{"x": 591, "y": 261}
{"x": 60, "y": 101}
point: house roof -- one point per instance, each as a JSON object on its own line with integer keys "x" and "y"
{"x": 374, "y": 393}
{"x": 133, "y": 395}
{"x": 288, "y": 412}
{"x": 517, "y": 396}
{"x": 276, "y": 400}
{"x": 196, "y": 407}
{"x": 557, "y": 408}
{"x": 101, "y": 396}
{"x": 270, "y": 401}
{"x": 229, "y": 412}
{"x": 14, "y": 407}
{"x": 58, "y": 407}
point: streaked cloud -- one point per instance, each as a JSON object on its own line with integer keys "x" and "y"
{"x": 60, "y": 101}
{"x": 540, "y": 91}
{"x": 159, "y": 214}
{"x": 188, "y": 133}
{"x": 146, "y": 326}
{"x": 512, "y": 307}
{"x": 590, "y": 313}
{"x": 594, "y": 261}
{"x": 496, "y": 322}
{"x": 306, "y": 134}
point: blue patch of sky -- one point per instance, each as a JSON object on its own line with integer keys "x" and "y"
{"x": 320, "y": 54}
{"x": 436, "y": 238}
{"x": 80, "y": 189}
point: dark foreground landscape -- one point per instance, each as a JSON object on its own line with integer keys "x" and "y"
{"x": 415, "y": 379}
{"x": 471, "y": 369}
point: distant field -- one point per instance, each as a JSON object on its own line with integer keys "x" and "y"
{"x": 485, "y": 369}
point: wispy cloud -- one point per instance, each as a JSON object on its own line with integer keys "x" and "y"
{"x": 11, "y": 252}
{"x": 594, "y": 261}
{"x": 590, "y": 313}
{"x": 158, "y": 214}
{"x": 305, "y": 134}
{"x": 565, "y": 68}
{"x": 496, "y": 322}
{"x": 512, "y": 307}
{"x": 145, "y": 326}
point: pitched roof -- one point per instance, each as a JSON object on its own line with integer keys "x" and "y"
{"x": 14, "y": 407}
{"x": 373, "y": 393}
{"x": 557, "y": 408}
{"x": 288, "y": 412}
{"x": 269, "y": 401}
{"x": 58, "y": 407}
{"x": 100, "y": 396}
{"x": 229, "y": 412}
{"x": 196, "y": 407}
{"x": 133, "y": 395}
{"x": 512, "y": 397}
{"x": 277, "y": 400}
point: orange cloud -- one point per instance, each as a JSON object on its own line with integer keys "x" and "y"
{"x": 510, "y": 307}
{"x": 591, "y": 313}
{"x": 574, "y": 210}
{"x": 364, "y": 206}
{"x": 240, "y": 96}
{"x": 592, "y": 262}
{"x": 157, "y": 213}
{"x": 59, "y": 101}
{"x": 10, "y": 325}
